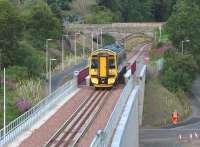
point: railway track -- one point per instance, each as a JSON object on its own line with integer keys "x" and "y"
{"x": 75, "y": 127}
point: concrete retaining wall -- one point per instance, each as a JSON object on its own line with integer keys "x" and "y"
{"x": 127, "y": 132}
{"x": 141, "y": 83}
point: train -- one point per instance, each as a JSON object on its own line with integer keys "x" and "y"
{"x": 107, "y": 66}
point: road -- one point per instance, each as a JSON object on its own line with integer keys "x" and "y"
{"x": 168, "y": 137}
{"x": 57, "y": 78}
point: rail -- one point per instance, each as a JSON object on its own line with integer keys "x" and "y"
{"x": 73, "y": 129}
{"x": 103, "y": 137}
{"x": 26, "y": 120}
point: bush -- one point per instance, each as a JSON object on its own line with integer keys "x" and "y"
{"x": 41, "y": 24}
{"x": 23, "y": 105}
{"x": 30, "y": 90}
{"x": 69, "y": 61}
{"x": 31, "y": 58}
{"x": 179, "y": 71}
{"x": 16, "y": 73}
{"x": 159, "y": 44}
{"x": 35, "y": 65}
{"x": 108, "y": 39}
{"x": 100, "y": 15}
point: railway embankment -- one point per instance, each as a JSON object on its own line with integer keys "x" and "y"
{"x": 159, "y": 102}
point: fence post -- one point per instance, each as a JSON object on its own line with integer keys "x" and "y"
{"x": 76, "y": 73}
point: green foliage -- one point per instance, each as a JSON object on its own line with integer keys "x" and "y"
{"x": 30, "y": 90}
{"x": 10, "y": 32}
{"x": 183, "y": 24}
{"x": 159, "y": 44}
{"x": 63, "y": 4}
{"x": 16, "y": 73}
{"x": 107, "y": 39}
{"x": 41, "y": 24}
{"x": 100, "y": 14}
{"x": 32, "y": 59}
{"x": 35, "y": 64}
{"x": 11, "y": 111}
{"x": 24, "y": 30}
{"x": 136, "y": 10}
{"x": 162, "y": 9}
{"x": 179, "y": 71}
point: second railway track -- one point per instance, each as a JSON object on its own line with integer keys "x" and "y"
{"x": 75, "y": 127}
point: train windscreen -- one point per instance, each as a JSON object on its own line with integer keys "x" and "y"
{"x": 111, "y": 63}
{"x": 94, "y": 63}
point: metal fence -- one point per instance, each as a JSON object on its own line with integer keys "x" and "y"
{"x": 26, "y": 120}
{"x": 103, "y": 137}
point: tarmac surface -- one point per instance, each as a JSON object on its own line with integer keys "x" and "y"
{"x": 185, "y": 134}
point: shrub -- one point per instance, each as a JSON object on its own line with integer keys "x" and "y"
{"x": 159, "y": 44}
{"x": 100, "y": 15}
{"x": 32, "y": 59}
{"x": 179, "y": 71}
{"x": 16, "y": 73}
{"x": 68, "y": 62}
{"x": 30, "y": 90}
{"x": 23, "y": 105}
{"x": 107, "y": 39}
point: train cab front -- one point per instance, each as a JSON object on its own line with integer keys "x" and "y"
{"x": 102, "y": 71}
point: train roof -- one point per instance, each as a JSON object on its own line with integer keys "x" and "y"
{"x": 117, "y": 48}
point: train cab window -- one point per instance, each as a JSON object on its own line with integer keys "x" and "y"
{"x": 94, "y": 63}
{"x": 111, "y": 63}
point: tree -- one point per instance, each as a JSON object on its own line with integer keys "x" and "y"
{"x": 162, "y": 9}
{"x": 140, "y": 10}
{"x": 184, "y": 24}
{"x": 42, "y": 24}
{"x": 82, "y": 6}
{"x": 100, "y": 14}
{"x": 32, "y": 59}
{"x": 10, "y": 32}
{"x": 179, "y": 71}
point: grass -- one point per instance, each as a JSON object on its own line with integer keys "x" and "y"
{"x": 159, "y": 103}
{"x": 68, "y": 62}
{"x": 15, "y": 92}
{"x": 11, "y": 110}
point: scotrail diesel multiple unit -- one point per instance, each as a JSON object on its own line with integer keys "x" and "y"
{"x": 107, "y": 66}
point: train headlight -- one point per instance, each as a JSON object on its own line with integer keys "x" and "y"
{"x": 94, "y": 80}
{"x": 112, "y": 72}
{"x": 111, "y": 80}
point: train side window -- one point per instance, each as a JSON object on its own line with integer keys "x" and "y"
{"x": 94, "y": 63}
{"x": 111, "y": 63}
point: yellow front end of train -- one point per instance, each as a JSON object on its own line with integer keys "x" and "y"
{"x": 103, "y": 68}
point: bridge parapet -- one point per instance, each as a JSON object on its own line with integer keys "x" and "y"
{"x": 30, "y": 117}
{"x": 125, "y": 127}
{"x": 116, "y": 27}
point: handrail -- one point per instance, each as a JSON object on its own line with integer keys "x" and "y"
{"x": 27, "y": 119}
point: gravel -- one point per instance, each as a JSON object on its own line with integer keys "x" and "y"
{"x": 40, "y": 136}
{"x": 102, "y": 118}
